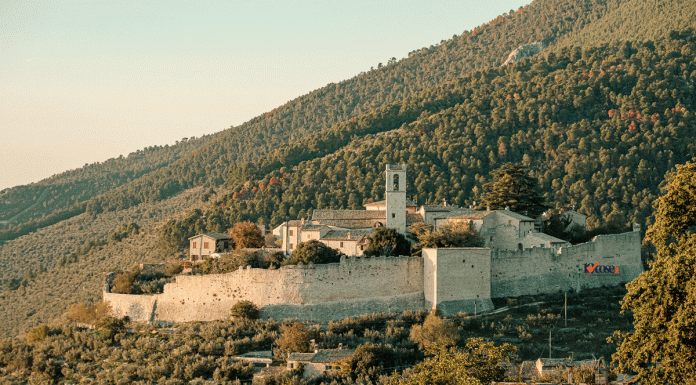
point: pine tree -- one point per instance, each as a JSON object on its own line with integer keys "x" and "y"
{"x": 662, "y": 349}
{"x": 514, "y": 189}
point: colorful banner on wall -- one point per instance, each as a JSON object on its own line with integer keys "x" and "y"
{"x": 596, "y": 268}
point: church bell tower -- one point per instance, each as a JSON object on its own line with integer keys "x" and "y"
{"x": 396, "y": 197}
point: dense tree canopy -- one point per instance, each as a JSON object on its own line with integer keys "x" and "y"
{"x": 663, "y": 299}
{"x": 315, "y": 252}
{"x": 578, "y": 121}
{"x": 477, "y": 363}
{"x": 246, "y": 235}
{"x": 435, "y": 331}
{"x": 456, "y": 234}
{"x": 387, "y": 242}
{"x": 512, "y": 188}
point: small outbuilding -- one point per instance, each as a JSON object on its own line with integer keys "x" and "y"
{"x": 319, "y": 362}
{"x": 203, "y": 245}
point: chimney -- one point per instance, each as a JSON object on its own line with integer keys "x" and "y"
{"x": 349, "y": 235}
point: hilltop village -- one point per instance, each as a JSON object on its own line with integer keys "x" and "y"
{"x": 516, "y": 260}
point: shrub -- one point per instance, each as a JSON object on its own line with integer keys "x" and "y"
{"x": 244, "y": 309}
{"x": 124, "y": 283}
{"x": 37, "y": 334}
{"x": 88, "y": 314}
{"x": 172, "y": 268}
{"x": 315, "y": 252}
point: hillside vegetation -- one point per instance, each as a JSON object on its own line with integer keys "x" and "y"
{"x": 447, "y": 110}
{"x": 598, "y": 127}
{"x": 118, "y": 184}
{"x": 635, "y": 20}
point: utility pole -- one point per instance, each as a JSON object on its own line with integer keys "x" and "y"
{"x": 565, "y": 309}
{"x": 549, "y": 344}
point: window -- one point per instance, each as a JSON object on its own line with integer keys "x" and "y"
{"x": 194, "y": 244}
{"x": 307, "y": 236}
{"x": 291, "y": 232}
{"x": 340, "y": 244}
{"x": 396, "y": 182}
{"x": 291, "y": 245}
{"x": 393, "y": 215}
{"x": 205, "y": 245}
{"x": 519, "y": 246}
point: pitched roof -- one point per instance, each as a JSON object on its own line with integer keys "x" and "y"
{"x": 300, "y": 356}
{"x": 553, "y": 362}
{"x": 355, "y": 234}
{"x": 311, "y": 227}
{"x": 322, "y": 355}
{"x": 473, "y": 216}
{"x": 515, "y": 215}
{"x": 352, "y": 223}
{"x": 215, "y": 236}
{"x": 409, "y": 203}
{"x": 444, "y": 209}
{"x": 413, "y": 218}
{"x": 545, "y": 238}
{"x": 332, "y": 355}
{"x": 319, "y": 215}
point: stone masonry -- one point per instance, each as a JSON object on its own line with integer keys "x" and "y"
{"x": 451, "y": 280}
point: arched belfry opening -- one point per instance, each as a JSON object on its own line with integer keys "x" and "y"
{"x": 396, "y": 197}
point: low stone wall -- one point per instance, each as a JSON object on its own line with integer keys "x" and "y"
{"x": 313, "y": 292}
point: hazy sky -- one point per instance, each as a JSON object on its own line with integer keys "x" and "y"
{"x": 85, "y": 81}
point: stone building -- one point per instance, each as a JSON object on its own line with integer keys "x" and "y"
{"x": 505, "y": 230}
{"x": 203, "y": 245}
{"x": 319, "y": 362}
{"x": 347, "y": 230}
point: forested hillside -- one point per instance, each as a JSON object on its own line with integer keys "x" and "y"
{"x": 206, "y": 162}
{"x": 598, "y": 128}
{"x": 635, "y": 20}
{"x": 27, "y": 208}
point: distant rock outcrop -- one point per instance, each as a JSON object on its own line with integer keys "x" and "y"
{"x": 524, "y": 51}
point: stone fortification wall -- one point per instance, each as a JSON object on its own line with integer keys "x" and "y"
{"x": 542, "y": 270}
{"x": 313, "y": 292}
{"x": 139, "y": 308}
{"x": 457, "y": 280}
